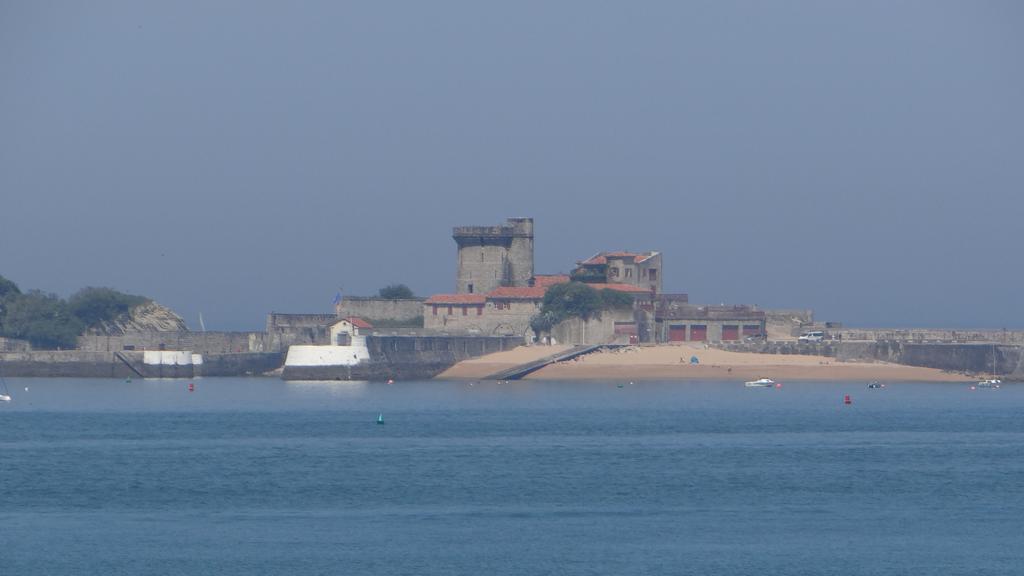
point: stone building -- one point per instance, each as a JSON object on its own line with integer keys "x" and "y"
{"x": 504, "y": 311}
{"x": 680, "y": 322}
{"x": 642, "y": 270}
{"x": 494, "y": 256}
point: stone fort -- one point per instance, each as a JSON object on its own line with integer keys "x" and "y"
{"x": 494, "y": 256}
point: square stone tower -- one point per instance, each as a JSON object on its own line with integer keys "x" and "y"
{"x": 493, "y": 256}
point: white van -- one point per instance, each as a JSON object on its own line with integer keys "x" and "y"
{"x": 814, "y": 336}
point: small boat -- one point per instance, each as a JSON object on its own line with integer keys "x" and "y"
{"x": 380, "y": 418}
{"x": 992, "y": 382}
{"x": 760, "y": 383}
{"x": 876, "y": 385}
{"x": 5, "y": 396}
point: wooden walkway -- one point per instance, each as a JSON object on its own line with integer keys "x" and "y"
{"x": 517, "y": 372}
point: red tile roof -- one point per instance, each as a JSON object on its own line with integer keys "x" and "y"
{"x": 620, "y": 287}
{"x": 359, "y": 322}
{"x": 602, "y": 257}
{"x": 456, "y": 299}
{"x": 518, "y": 293}
{"x": 548, "y": 280}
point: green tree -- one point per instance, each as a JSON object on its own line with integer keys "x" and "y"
{"x": 613, "y": 299}
{"x": 42, "y": 319}
{"x": 396, "y": 292}
{"x": 8, "y": 288}
{"x": 94, "y": 305}
{"x": 576, "y": 300}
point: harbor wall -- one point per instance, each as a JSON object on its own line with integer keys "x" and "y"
{"x": 403, "y": 357}
{"x": 200, "y": 342}
{"x": 968, "y": 358}
{"x": 93, "y": 364}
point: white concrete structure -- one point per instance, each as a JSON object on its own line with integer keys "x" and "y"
{"x": 329, "y": 355}
{"x": 171, "y": 358}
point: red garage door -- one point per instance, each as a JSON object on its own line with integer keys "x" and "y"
{"x": 698, "y": 332}
{"x": 731, "y": 332}
{"x": 677, "y": 333}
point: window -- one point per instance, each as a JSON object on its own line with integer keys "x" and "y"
{"x": 652, "y": 273}
{"x": 449, "y": 310}
{"x": 613, "y": 272}
{"x": 465, "y": 310}
{"x": 479, "y": 310}
{"x": 629, "y": 272}
{"x": 435, "y": 309}
{"x": 470, "y": 287}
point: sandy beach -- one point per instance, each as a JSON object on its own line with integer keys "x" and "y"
{"x": 672, "y": 362}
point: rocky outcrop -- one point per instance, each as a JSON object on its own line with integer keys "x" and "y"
{"x": 148, "y": 317}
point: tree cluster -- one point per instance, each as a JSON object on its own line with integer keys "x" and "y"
{"x": 396, "y": 292}
{"x": 576, "y": 300}
{"x": 49, "y": 322}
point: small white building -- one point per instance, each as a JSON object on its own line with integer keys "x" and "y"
{"x": 344, "y": 330}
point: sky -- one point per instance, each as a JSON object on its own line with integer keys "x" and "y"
{"x": 864, "y": 159}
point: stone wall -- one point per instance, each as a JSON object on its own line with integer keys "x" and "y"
{"x": 96, "y": 364}
{"x": 283, "y": 330}
{"x": 14, "y": 345}
{"x": 923, "y": 335}
{"x": 783, "y": 324}
{"x": 974, "y": 358}
{"x": 576, "y": 331}
{"x": 199, "y": 342}
{"x": 380, "y": 309}
{"x": 406, "y": 357}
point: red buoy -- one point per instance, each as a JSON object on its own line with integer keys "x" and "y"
{"x": 847, "y": 400}
{"x": 191, "y": 387}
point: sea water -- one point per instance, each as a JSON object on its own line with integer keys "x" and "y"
{"x": 259, "y": 476}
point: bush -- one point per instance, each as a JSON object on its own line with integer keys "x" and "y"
{"x": 396, "y": 292}
{"x": 94, "y": 305}
{"x": 42, "y": 319}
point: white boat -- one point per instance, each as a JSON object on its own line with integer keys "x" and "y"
{"x": 992, "y": 382}
{"x": 5, "y": 396}
{"x": 760, "y": 383}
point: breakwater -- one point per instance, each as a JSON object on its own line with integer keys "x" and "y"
{"x": 968, "y": 358}
{"x": 405, "y": 357}
{"x": 134, "y": 364}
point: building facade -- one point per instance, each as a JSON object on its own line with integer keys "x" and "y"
{"x": 679, "y": 322}
{"x": 642, "y": 270}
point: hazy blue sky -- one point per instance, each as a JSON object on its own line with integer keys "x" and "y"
{"x": 865, "y": 159}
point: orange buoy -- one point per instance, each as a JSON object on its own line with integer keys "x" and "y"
{"x": 847, "y": 400}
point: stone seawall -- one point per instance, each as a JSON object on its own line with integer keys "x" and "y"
{"x": 130, "y": 364}
{"x": 1007, "y": 360}
{"x": 64, "y": 363}
{"x": 407, "y": 357}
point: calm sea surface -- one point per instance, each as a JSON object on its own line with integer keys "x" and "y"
{"x": 257, "y": 476}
